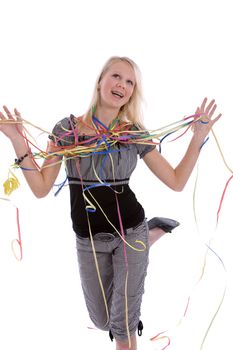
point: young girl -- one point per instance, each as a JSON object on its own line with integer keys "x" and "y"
{"x": 112, "y": 234}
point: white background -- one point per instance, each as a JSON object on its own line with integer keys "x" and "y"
{"x": 51, "y": 53}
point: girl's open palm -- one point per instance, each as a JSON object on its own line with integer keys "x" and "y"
{"x": 10, "y": 124}
{"x": 203, "y": 125}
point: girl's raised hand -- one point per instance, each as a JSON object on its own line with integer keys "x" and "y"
{"x": 11, "y": 124}
{"x": 203, "y": 125}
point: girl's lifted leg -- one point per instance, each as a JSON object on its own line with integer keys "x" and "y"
{"x": 158, "y": 226}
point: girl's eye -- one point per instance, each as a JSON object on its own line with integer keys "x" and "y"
{"x": 130, "y": 82}
{"x": 117, "y": 76}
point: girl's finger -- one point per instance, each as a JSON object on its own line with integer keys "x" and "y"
{"x": 217, "y": 118}
{"x": 2, "y": 116}
{"x": 210, "y": 105}
{"x": 203, "y": 104}
{"x": 211, "y": 112}
{"x": 18, "y": 115}
{"x": 8, "y": 112}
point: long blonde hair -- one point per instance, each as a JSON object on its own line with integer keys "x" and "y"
{"x": 132, "y": 110}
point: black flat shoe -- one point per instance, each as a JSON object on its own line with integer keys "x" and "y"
{"x": 165, "y": 224}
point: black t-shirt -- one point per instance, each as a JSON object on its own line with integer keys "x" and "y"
{"x": 103, "y": 212}
{"x": 91, "y": 174}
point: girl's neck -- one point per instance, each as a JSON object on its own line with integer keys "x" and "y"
{"x": 106, "y": 116}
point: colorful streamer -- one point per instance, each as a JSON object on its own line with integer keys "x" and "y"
{"x": 102, "y": 142}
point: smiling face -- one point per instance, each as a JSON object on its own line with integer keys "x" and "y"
{"x": 116, "y": 86}
{"x": 117, "y": 92}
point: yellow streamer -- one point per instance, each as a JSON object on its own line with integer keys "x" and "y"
{"x": 11, "y": 184}
{"x": 98, "y": 270}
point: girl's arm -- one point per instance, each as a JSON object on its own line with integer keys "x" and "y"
{"x": 39, "y": 180}
{"x": 178, "y": 177}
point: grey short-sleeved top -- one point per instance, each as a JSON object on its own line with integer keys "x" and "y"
{"x": 124, "y": 157}
{"x": 115, "y": 170}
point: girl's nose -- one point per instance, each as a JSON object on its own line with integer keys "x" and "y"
{"x": 121, "y": 84}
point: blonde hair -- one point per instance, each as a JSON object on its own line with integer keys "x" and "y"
{"x": 132, "y": 110}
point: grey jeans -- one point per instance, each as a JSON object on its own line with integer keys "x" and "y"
{"x": 113, "y": 269}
